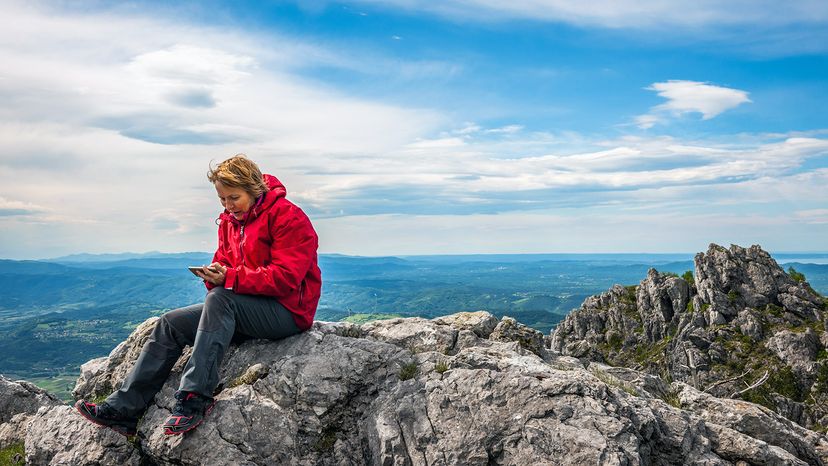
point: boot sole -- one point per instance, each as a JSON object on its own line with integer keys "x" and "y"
{"x": 117, "y": 428}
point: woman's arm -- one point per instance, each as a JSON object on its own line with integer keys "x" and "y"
{"x": 219, "y": 257}
{"x": 292, "y": 253}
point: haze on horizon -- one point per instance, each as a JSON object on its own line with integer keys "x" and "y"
{"x": 414, "y": 127}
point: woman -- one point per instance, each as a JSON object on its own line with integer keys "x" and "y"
{"x": 264, "y": 282}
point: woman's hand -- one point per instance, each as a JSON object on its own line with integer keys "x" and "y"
{"x": 213, "y": 273}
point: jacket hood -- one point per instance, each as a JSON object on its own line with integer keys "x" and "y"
{"x": 277, "y": 190}
{"x": 275, "y": 186}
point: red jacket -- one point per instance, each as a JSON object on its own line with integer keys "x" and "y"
{"x": 272, "y": 252}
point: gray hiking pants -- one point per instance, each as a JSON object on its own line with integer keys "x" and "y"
{"x": 209, "y": 328}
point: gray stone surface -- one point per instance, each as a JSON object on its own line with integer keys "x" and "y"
{"x": 59, "y": 436}
{"x": 337, "y": 394}
{"x": 20, "y": 396}
{"x": 742, "y": 316}
{"x": 19, "y": 401}
{"x": 508, "y": 329}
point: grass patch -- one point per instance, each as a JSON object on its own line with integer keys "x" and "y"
{"x": 409, "y": 371}
{"x": 672, "y": 398}
{"x": 441, "y": 367}
{"x": 363, "y": 318}
{"x": 799, "y": 277}
{"x": 774, "y": 310}
{"x": 781, "y": 381}
{"x": 614, "y": 382}
{"x": 629, "y": 296}
{"x": 615, "y": 341}
{"x": 326, "y": 440}
{"x": 7, "y": 454}
{"x": 688, "y": 277}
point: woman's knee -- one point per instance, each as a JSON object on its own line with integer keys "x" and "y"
{"x": 179, "y": 325}
{"x": 219, "y": 300}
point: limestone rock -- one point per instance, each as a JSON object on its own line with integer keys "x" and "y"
{"x": 508, "y": 329}
{"x": 341, "y": 394}
{"x": 60, "y": 436}
{"x": 416, "y": 334}
{"x": 24, "y": 397}
{"x": 741, "y": 317}
{"x": 660, "y": 299}
{"x": 797, "y": 350}
{"x": 757, "y": 422}
{"x": 19, "y": 402}
{"x": 481, "y": 323}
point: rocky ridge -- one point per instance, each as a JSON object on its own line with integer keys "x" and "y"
{"x": 739, "y": 321}
{"x": 460, "y": 389}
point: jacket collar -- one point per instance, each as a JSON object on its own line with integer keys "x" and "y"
{"x": 263, "y": 202}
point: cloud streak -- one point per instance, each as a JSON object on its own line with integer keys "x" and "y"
{"x": 690, "y": 97}
{"x": 627, "y": 13}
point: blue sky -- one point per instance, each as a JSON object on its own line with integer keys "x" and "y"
{"x": 409, "y": 127}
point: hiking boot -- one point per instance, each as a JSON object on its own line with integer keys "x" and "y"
{"x": 188, "y": 413}
{"x": 104, "y": 415}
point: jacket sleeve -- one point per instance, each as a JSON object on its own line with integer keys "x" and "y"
{"x": 292, "y": 253}
{"x": 220, "y": 255}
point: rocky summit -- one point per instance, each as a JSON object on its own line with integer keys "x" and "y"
{"x": 636, "y": 376}
{"x": 738, "y": 327}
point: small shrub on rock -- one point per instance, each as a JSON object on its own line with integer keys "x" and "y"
{"x": 408, "y": 371}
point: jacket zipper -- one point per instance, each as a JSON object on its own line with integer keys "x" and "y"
{"x": 241, "y": 248}
{"x": 301, "y": 288}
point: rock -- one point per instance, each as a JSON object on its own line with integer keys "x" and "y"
{"x": 756, "y": 422}
{"x": 582, "y": 333}
{"x": 508, "y": 329}
{"x": 634, "y": 382}
{"x": 797, "y": 350}
{"x": 729, "y": 280}
{"x": 749, "y": 324}
{"x": 58, "y": 435}
{"x": 660, "y": 299}
{"x": 416, "y": 334}
{"x": 481, "y": 323}
{"x": 743, "y": 316}
{"x": 346, "y": 395}
{"x": 19, "y": 401}
{"x": 746, "y": 450}
{"x": 22, "y": 397}
{"x": 14, "y": 430}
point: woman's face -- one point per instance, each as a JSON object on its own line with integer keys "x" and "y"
{"x": 237, "y": 201}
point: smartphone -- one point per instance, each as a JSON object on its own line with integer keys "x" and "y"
{"x": 195, "y": 268}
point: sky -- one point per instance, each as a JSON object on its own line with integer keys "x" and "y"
{"x": 417, "y": 127}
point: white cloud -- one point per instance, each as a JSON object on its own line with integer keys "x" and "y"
{"x": 11, "y": 207}
{"x": 812, "y": 216}
{"x": 508, "y": 129}
{"x": 691, "y": 97}
{"x": 628, "y": 13}
{"x": 109, "y": 122}
{"x": 647, "y": 121}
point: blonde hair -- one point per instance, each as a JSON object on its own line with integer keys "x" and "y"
{"x": 239, "y": 172}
